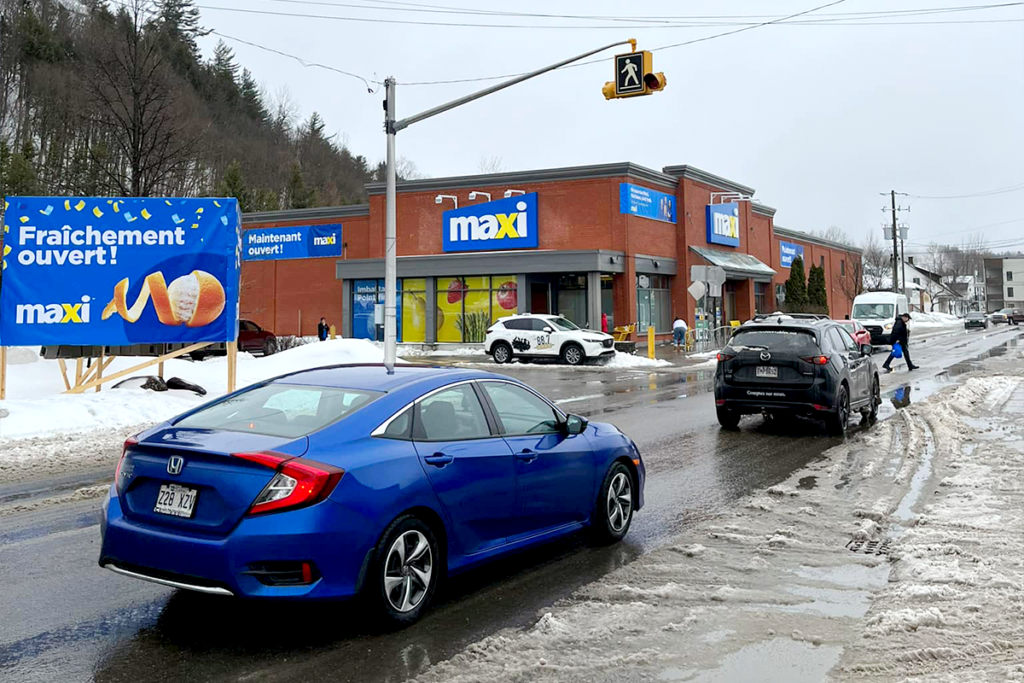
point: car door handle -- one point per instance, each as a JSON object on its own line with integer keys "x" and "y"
{"x": 439, "y": 459}
{"x": 526, "y": 455}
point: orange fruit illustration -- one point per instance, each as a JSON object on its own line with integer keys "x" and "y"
{"x": 197, "y": 299}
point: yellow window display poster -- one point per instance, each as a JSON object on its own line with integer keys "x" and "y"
{"x": 504, "y": 296}
{"x": 476, "y": 316}
{"x": 414, "y": 311}
{"x": 450, "y": 292}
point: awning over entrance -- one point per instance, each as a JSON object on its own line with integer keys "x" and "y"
{"x": 737, "y": 265}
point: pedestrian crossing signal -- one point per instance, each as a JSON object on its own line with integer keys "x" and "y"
{"x": 634, "y": 75}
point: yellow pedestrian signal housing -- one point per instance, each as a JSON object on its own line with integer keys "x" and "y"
{"x": 634, "y": 75}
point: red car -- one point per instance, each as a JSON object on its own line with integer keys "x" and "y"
{"x": 253, "y": 338}
{"x": 858, "y": 332}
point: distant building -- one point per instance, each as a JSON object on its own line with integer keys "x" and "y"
{"x": 1004, "y": 283}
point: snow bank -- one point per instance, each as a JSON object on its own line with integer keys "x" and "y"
{"x": 37, "y": 407}
{"x": 409, "y": 351}
{"x": 628, "y": 360}
{"x": 934, "y": 322}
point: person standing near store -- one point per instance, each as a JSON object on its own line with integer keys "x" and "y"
{"x": 322, "y": 329}
{"x": 899, "y": 336}
{"x": 604, "y": 323}
{"x": 679, "y": 328}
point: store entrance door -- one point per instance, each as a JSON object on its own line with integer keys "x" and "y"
{"x": 729, "y": 300}
{"x": 540, "y": 297}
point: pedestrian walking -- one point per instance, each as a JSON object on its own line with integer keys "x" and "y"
{"x": 604, "y": 323}
{"x": 322, "y": 329}
{"x": 899, "y": 336}
{"x": 679, "y": 328}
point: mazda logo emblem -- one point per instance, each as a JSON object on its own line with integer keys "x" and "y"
{"x": 765, "y": 356}
{"x": 175, "y": 464}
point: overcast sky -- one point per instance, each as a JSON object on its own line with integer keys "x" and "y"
{"x": 819, "y": 118}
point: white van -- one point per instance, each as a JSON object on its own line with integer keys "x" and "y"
{"x": 877, "y": 311}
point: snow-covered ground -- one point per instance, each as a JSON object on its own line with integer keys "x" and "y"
{"x": 37, "y": 406}
{"x": 411, "y": 351}
{"x": 930, "y": 323}
{"x": 898, "y": 556}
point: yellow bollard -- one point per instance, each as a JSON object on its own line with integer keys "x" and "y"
{"x": 333, "y": 332}
{"x": 650, "y": 341}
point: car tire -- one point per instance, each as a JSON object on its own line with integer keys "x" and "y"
{"x": 501, "y": 352}
{"x": 573, "y": 354}
{"x": 405, "y": 572}
{"x": 269, "y": 347}
{"x": 728, "y": 418}
{"x": 197, "y": 356}
{"x": 870, "y": 415}
{"x": 616, "y": 501}
{"x": 837, "y": 421}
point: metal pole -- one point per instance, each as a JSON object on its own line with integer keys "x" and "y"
{"x": 903, "y": 260}
{"x": 895, "y": 251}
{"x": 390, "y": 255}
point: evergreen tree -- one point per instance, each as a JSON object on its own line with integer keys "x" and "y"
{"x": 299, "y": 196}
{"x": 179, "y": 19}
{"x": 232, "y": 184}
{"x": 20, "y": 176}
{"x": 796, "y": 287}
{"x": 252, "y": 99}
{"x": 817, "y": 296}
{"x": 224, "y": 62}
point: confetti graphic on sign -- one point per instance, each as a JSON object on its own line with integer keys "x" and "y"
{"x": 47, "y": 211}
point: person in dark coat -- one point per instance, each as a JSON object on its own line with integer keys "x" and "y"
{"x": 322, "y": 329}
{"x": 899, "y": 336}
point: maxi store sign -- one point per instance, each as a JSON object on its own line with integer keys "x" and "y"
{"x": 297, "y": 242}
{"x": 119, "y": 271}
{"x": 724, "y": 224}
{"x": 641, "y": 201}
{"x": 492, "y": 226}
{"x": 788, "y": 252}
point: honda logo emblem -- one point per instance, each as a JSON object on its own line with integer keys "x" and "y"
{"x": 175, "y": 464}
{"x": 765, "y": 356}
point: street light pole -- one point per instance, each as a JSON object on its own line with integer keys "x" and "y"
{"x": 391, "y": 127}
{"x": 895, "y": 251}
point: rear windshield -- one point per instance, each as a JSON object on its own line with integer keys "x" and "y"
{"x": 793, "y": 341}
{"x": 285, "y": 410}
{"x": 873, "y": 311}
{"x": 976, "y": 316}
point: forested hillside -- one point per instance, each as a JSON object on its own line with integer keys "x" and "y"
{"x": 99, "y": 99}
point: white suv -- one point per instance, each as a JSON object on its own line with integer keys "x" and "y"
{"x": 545, "y": 336}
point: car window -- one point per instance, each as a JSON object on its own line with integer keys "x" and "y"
{"x": 401, "y": 426}
{"x": 783, "y": 341}
{"x": 563, "y": 324}
{"x": 245, "y": 326}
{"x": 847, "y": 339}
{"x": 521, "y": 411}
{"x": 286, "y": 410}
{"x": 538, "y": 324}
{"x": 517, "y": 324}
{"x": 451, "y": 415}
{"x": 873, "y": 311}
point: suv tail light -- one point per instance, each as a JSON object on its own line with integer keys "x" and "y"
{"x": 816, "y": 360}
{"x": 722, "y": 357}
{"x": 128, "y": 443}
{"x": 296, "y": 483}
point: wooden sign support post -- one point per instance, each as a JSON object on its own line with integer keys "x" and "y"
{"x": 3, "y": 372}
{"x": 232, "y": 349}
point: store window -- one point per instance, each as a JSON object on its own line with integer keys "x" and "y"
{"x": 761, "y": 297}
{"x": 410, "y": 304}
{"x": 365, "y": 295}
{"x": 572, "y": 299}
{"x": 654, "y": 302}
{"x": 780, "y": 293}
{"x": 466, "y": 306}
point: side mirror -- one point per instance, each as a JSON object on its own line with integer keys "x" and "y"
{"x": 549, "y": 330}
{"x": 574, "y": 424}
{"x": 867, "y": 349}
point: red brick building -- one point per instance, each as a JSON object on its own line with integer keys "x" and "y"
{"x": 612, "y": 239}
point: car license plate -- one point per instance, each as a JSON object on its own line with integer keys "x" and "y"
{"x": 176, "y": 500}
{"x": 766, "y": 371}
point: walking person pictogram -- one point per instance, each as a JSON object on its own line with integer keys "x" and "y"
{"x": 630, "y": 70}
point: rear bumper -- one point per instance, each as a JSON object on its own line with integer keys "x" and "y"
{"x": 810, "y": 400}
{"x": 338, "y": 549}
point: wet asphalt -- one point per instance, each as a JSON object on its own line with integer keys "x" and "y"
{"x": 62, "y": 618}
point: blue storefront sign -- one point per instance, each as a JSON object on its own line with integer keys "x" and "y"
{"x": 788, "y": 252}
{"x": 647, "y": 203}
{"x": 724, "y": 224}
{"x": 492, "y": 226}
{"x": 119, "y": 271}
{"x": 300, "y": 241}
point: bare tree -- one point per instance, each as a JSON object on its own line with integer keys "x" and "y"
{"x": 833, "y": 233}
{"x": 491, "y": 164}
{"x": 876, "y": 264}
{"x": 139, "y": 106}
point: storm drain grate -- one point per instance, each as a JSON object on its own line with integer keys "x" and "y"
{"x": 869, "y": 547}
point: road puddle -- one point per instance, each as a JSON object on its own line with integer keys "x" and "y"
{"x": 792, "y": 661}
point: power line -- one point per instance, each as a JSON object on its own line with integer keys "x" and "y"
{"x": 986, "y": 193}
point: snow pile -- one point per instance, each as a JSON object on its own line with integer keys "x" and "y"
{"x": 628, "y": 360}
{"x": 908, "y": 619}
{"x": 409, "y": 351}
{"x": 37, "y": 406}
{"x": 934, "y": 322}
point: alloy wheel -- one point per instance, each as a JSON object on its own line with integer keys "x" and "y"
{"x": 620, "y": 502}
{"x": 573, "y": 355}
{"x": 501, "y": 353}
{"x": 844, "y": 409}
{"x": 408, "y": 571}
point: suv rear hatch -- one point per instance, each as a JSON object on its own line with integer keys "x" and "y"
{"x": 771, "y": 357}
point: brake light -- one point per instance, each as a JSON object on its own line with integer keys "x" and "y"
{"x": 722, "y": 357}
{"x": 816, "y": 360}
{"x": 296, "y": 483}
{"x": 128, "y": 443}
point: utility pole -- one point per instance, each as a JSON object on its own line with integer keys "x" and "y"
{"x": 895, "y": 251}
{"x": 391, "y": 127}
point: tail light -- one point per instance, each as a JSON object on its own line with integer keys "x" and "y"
{"x": 816, "y": 360}
{"x": 128, "y": 443}
{"x": 296, "y": 483}
{"x": 722, "y": 357}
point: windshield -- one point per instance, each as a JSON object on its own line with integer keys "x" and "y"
{"x": 286, "y": 410}
{"x": 873, "y": 311}
{"x": 975, "y": 315}
{"x": 795, "y": 341}
{"x": 563, "y": 324}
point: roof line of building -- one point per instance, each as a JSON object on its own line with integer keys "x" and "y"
{"x": 346, "y": 211}
{"x": 708, "y": 178}
{"x": 763, "y": 209}
{"x": 512, "y": 178}
{"x": 803, "y": 236}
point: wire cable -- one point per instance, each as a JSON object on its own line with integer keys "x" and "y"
{"x": 986, "y": 193}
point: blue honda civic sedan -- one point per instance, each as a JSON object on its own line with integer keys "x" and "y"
{"x": 348, "y": 481}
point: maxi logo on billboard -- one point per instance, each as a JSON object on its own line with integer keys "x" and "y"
{"x": 492, "y": 226}
{"x": 641, "y": 201}
{"x": 788, "y": 252}
{"x": 119, "y": 271}
{"x": 300, "y": 241}
{"x": 724, "y": 224}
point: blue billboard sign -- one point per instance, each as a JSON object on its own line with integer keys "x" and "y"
{"x": 647, "y": 203}
{"x": 492, "y": 226}
{"x": 724, "y": 224}
{"x": 296, "y": 242}
{"x": 788, "y": 252}
{"x": 119, "y": 271}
